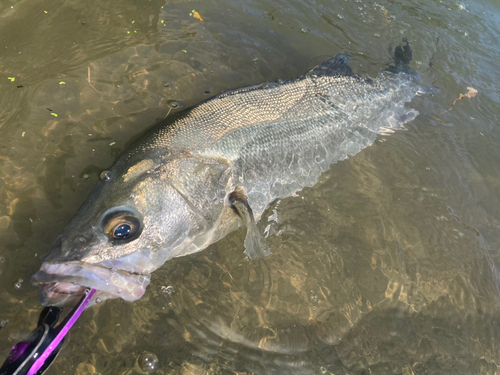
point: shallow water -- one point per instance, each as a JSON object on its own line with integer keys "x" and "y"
{"x": 390, "y": 264}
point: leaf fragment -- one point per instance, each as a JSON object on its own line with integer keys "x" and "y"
{"x": 197, "y": 15}
{"x": 12, "y": 79}
{"x": 471, "y": 92}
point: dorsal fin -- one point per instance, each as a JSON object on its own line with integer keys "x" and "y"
{"x": 336, "y": 66}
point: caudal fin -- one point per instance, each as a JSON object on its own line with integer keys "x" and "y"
{"x": 403, "y": 54}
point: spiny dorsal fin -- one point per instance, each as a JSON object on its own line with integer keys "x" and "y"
{"x": 336, "y": 66}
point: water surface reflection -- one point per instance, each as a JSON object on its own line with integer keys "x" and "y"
{"x": 388, "y": 265}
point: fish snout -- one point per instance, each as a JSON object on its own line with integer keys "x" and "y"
{"x": 69, "y": 249}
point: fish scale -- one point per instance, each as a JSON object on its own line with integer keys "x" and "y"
{"x": 320, "y": 131}
{"x": 255, "y": 128}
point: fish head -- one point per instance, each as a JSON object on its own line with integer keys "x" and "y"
{"x": 133, "y": 221}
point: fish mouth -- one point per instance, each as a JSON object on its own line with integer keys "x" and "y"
{"x": 63, "y": 284}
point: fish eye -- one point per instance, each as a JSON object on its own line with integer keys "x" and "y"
{"x": 122, "y": 226}
{"x": 122, "y": 231}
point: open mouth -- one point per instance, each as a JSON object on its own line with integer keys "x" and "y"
{"x": 63, "y": 284}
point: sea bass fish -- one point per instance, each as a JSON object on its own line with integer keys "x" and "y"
{"x": 199, "y": 175}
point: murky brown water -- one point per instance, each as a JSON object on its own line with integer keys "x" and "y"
{"x": 388, "y": 265}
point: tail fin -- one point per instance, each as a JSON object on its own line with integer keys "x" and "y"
{"x": 403, "y": 54}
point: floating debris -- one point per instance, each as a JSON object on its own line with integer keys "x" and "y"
{"x": 196, "y": 15}
{"x": 62, "y": 83}
{"x": 88, "y": 80}
{"x": 22, "y": 135}
{"x": 112, "y": 143}
{"x": 12, "y": 79}
{"x": 470, "y": 94}
{"x": 54, "y": 114}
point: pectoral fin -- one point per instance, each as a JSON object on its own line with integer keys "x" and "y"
{"x": 255, "y": 243}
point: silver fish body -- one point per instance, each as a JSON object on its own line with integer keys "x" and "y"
{"x": 173, "y": 193}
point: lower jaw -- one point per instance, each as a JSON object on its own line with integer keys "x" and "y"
{"x": 62, "y": 284}
{"x": 67, "y": 294}
{"x": 60, "y": 294}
